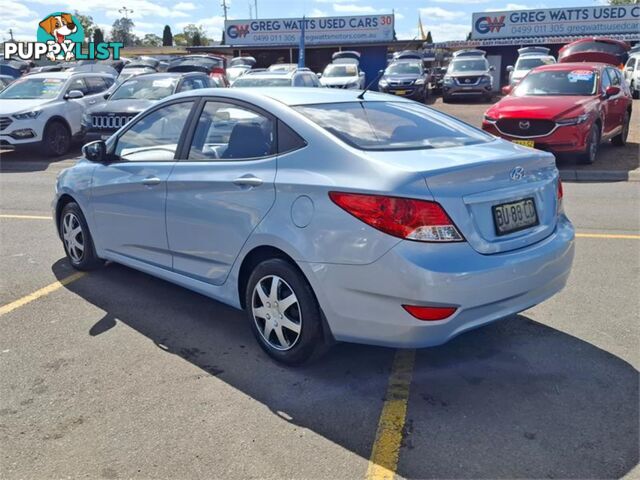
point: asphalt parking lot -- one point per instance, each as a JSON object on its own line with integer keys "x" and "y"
{"x": 115, "y": 374}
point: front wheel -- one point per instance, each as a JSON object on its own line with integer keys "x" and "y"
{"x": 593, "y": 143}
{"x": 77, "y": 241}
{"x": 56, "y": 139}
{"x": 283, "y": 312}
{"x": 620, "y": 140}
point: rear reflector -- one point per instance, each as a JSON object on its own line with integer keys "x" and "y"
{"x": 407, "y": 218}
{"x": 430, "y": 313}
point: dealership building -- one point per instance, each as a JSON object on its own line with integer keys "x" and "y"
{"x": 501, "y": 34}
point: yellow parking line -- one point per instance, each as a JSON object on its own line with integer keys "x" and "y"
{"x": 27, "y": 217}
{"x": 386, "y": 447}
{"x": 44, "y": 291}
{"x": 608, "y": 235}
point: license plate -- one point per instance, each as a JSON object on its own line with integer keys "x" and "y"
{"x": 514, "y": 216}
{"x": 400, "y": 92}
{"x": 467, "y": 88}
{"x": 526, "y": 143}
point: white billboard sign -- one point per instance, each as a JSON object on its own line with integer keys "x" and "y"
{"x": 326, "y": 30}
{"x": 554, "y": 22}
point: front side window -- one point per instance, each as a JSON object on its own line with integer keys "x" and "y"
{"x": 392, "y": 125}
{"x": 95, "y": 85}
{"x": 78, "y": 84}
{"x": 230, "y": 132}
{"x": 33, "y": 88}
{"x": 614, "y": 76}
{"x": 154, "y": 137}
{"x": 558, "y": 82}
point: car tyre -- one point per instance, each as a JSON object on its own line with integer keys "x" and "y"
{"x": 620, "y": 140}
{"x": 446, "y": 99}
{"x": 635, "y": 93}
{"x": 77, "y": 240}
{"x": 285, "y": 318}
{"x": 593, "y": 144}
{"x": 56, "y": 139}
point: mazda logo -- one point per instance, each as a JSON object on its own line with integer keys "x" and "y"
{"x": 524, "y": 125}
{"x": 517, "y": 173}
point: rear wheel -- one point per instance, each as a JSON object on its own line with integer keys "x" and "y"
{"x": 635, "y": 93}
{"x": 77, "y": 241}
{"x": 56, "y": 139}
{"x": 446, "y": 99}
{"x": 620, "y": 140}
{"x": 589, "y": 156}
{"x": 283, "y": 312}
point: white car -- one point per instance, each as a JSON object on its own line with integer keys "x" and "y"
{"x": 632, "y": 74}
{"x": 344, "y": 71}
{"x": 528, "y": 59}
{"x": 45, "y": 110}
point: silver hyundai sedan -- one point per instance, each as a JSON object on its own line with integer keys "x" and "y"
{"x": 325, "y": 216}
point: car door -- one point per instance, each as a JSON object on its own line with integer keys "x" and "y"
{"x": 74, "y": 108}
{"x": 616, "y": 104}
{"x": 222, "y": 189}
{"x": 129, "y": 193}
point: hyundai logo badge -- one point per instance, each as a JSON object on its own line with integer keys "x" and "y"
{"x": 524, "y": 125}
{"x": 517, "y": 173}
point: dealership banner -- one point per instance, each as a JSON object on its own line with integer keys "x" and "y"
{"x": 317, "y": 31}
{"x": 554, "y": 22}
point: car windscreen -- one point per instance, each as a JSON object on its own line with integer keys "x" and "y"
{"x": 407, "y": 68}
{"x": 530, "y": 63}
{"x": 340, "y": 71}
{"x": 392, "y": 125}
{"x": 471, "y": 65}
{"x": 250, "y": 81}
{"x": 33, "y": 88}
{"x": 145, "y": 88}
{"x": 558, "y": 82}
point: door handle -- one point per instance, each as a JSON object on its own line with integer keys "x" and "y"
{"x": 91, "y": 102}
{"x": 150, "y": 181}
{"x": 248, "y": 180}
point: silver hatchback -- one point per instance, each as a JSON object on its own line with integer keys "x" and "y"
{"x": 325, "y": 216}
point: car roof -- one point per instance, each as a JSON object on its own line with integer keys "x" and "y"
{"x": 572, "y": 66}
{"x": 294, "y": 95}
{"x": 156, "y": 75}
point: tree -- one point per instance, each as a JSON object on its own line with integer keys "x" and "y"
{"x": 98, "y": 36}
{"x": 468, "y": 36}
{"x": 122, "y": 31}
{"x": 167, "y": 37}
{"x": 151, "y": 40}
{"x": 195, "y": 33}
{"x": 429, "y": 38}
{"x": 180, "y": 40}
{"x": 87, "y": 24}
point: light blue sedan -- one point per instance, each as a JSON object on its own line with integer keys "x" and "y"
{"x": 323, "y": 215}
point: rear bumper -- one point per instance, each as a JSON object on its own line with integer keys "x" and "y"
{"x": 565, "y": 139}
{"x": 363, "y": 303}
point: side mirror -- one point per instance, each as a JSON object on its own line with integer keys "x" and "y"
{"x": 492, "y": 68}
{"x": 510, "y": 68}
{"x": 95, "y": 151}
{"x": 507, "y": 89}
{"x": 73, "y": 95}
{"x": 612, "y": 91}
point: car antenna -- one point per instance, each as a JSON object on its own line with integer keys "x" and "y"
{"x": 380, "y": 73}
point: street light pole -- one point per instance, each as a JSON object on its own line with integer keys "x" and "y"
{"x": 224, "y": 9}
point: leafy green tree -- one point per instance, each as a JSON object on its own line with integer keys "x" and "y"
{"x": 167, "y": 37}
{"x": 87, "y": 24}
{"x": 151, "y": 40}
{"x": 180, "y": 40}
{"x": 122, "y": 31}
{"x": 98, "y": 36}
{"x": 195, "y": 35}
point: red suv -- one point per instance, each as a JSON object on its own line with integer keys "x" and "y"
{"x": 565, "y": 108}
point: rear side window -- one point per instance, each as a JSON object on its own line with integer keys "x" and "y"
{"x": 392, "y": 125}
{"x": 95, "y": 85}
{"x": 288, "y": 140}
{"x": 78, "y": 84}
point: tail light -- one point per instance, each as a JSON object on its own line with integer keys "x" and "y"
{"x": 429, "y": 313}
{"x": 560, "y": 194}
{"x": 216, "y": 71}
{"x": 406, "y": 218}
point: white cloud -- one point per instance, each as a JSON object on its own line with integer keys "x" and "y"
{"x": 141, "y": 8}
{"x": 212, "y": 25}
{"x": 438, "y": 13}
{"x": 354, "y": 9}
{"x": 185, "y": 6}
{"x": 11, "y": 9}
{"x": 316, "y": 12}
{"x": 399, "y": 16}
{"x": 441, "y": 32}
{"x": 508, "y": 7}
{"x": 335, "y": 1}
{"x": 23, "y": 30}
{"x": 461, "y": 2}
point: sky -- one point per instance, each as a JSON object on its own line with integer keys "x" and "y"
{"x": 446, "y": 19}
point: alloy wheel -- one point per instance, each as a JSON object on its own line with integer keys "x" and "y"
{"x": 276, "y": 312}
{"x": 73, "y": 237}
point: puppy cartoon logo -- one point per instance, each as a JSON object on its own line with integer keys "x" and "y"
{"x": 61, "y": 28}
